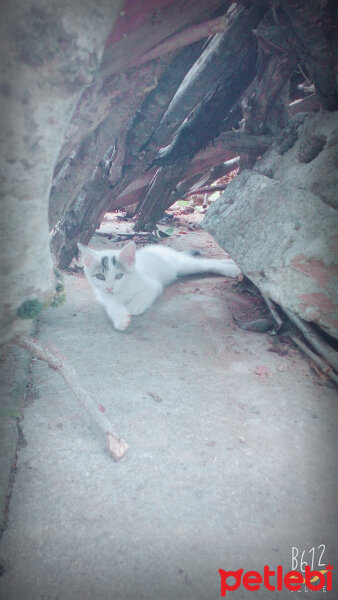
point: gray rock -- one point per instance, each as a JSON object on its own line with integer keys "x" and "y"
{"x": 305, "y": 155}
{"x": 283, "y": 238}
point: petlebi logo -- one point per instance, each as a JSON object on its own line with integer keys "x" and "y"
{"x": 309, "y": 572}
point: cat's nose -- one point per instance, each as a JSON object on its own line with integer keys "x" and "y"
{"x": 110, "y": 290}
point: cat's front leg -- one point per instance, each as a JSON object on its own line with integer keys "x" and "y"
{"x": 118, "y": 314}
{"x": 145, "y": 298}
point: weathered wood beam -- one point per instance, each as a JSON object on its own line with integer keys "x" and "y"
{"x": 310, "y": 21}
{"x": 136, "y": 190}
{"x": 141, "y": 27}
{"x": 145, "y": 117}
{"x": 140, "y": 147}
{"x": 77, "y": 223}
{"x": 132, "y": 150}
{"x": 138, "y": 155}
{"x": 265, "y": 102}
{"x": 157, "y": 24}
{"x": 228, "y": 145}
{"x": 141, "y": 144}
{"x": 236, "y": 141}
{"x": 183, "y": 38}
{"x": 243, "y": 142}
{"x": 185, "y": 185}
{"x": 133, "y": 197}
{"x": 234, "y": 53}
{"x": 113, "y": 129}
{"x": 158, "y": 196}
{"x": 225, "y": 148}
{"x": 162, "y": 190}
{"x": 219, "y": 63}
{"x": 267, "y": 110}
{"x": 191, "y": 184}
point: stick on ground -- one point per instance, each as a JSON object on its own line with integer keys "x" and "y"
{"x": 117, "y": 446}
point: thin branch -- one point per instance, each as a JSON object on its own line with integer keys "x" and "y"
{"x": 304, "y": 75}
{"x": 131, "y": 234}
{"x": 272, "y": 309}
{"x": 128, "y": 234}
{"x": 116, "y": 446}
{"x": 314, "y": 339}
{"x": 207, "y": 190}
{"x": 316, "y": 359}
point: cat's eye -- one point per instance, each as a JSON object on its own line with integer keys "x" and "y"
{"x": 100, "y": 276}
{"x": 119, "y": 275}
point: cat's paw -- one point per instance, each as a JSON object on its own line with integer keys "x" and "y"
{"x": 122, "y": 322}
{"x": 136, "y": 309}
{"x": 138, "y": 306}
{"x": 144, "y": 300}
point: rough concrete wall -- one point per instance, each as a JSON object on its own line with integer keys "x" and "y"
{"x": 50, "y": 51}
{"x": 283, "y": 236}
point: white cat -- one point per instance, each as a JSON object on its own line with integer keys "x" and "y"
{"x": 126, "y": 282}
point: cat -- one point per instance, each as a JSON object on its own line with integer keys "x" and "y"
{"x": 127, "y": 282}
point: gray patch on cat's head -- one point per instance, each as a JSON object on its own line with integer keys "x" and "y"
{"x": 104, "y": 263}
{"x": 117, "y": 263}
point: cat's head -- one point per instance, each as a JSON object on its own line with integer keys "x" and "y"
{"x": 108, "y": 270}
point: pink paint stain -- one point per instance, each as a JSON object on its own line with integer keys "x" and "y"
{"x": 320, "y": 273}
{"x": 318, "y": 300}
{"x": 134, "y": 14}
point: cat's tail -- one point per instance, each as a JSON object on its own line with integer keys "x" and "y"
{"x": 191, "y": 252}
{"x": 191, "y": 265}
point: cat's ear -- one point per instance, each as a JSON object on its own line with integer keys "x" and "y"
{"x": 127, "y": 255}
{"x": 89, "y": 257}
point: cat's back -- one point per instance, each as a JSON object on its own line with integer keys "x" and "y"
{"x": 157, "y": 262}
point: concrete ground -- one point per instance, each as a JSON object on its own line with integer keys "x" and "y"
{"x": 231, "y": 460}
